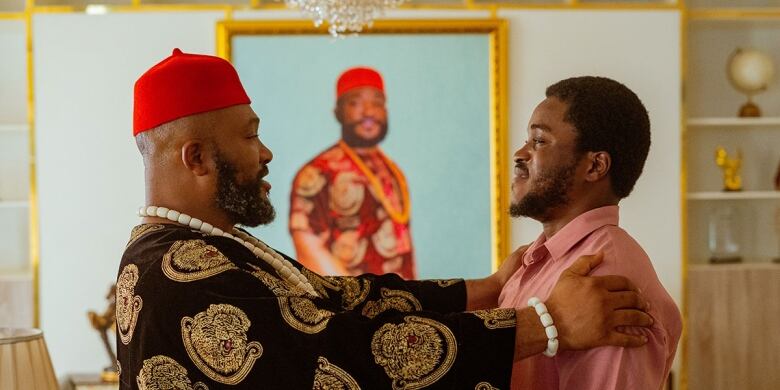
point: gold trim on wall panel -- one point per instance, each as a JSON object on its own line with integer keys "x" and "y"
{"x": 497, "y": 30}
{"x": 734, "y": 14}
{"x": 683, "y": 199}
{"x": 582, "y": 6}
{"x": 33, "y": 228}
{"x": 13, "y": 16}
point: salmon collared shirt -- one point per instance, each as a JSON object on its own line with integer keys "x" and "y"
{"x": 602, "y": 368}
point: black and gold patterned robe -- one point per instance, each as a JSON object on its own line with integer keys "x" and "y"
{"x": 202, "y": 312}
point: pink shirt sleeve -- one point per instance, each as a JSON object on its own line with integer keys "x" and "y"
{"x": 608, "y": 368}
{"x": 642, "y": 368}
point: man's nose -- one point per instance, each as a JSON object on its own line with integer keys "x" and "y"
{"x": 266, "y": 155}
{"x": 522, "y": 153}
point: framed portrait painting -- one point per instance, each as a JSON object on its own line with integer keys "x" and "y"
{"x": 388, "y": 146}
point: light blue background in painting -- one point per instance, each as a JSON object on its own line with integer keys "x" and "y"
{"x": 437, "y": 90}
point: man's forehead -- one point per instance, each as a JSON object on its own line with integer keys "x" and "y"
{"x": 367, "y": 90}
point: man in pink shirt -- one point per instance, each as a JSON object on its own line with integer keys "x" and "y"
{"x": 587, "y": 145}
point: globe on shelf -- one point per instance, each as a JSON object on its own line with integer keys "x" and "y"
{"x": 750, "y": 71}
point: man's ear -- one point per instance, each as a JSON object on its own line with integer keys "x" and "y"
{"x": 600, "y": 163}
{"x": 196, "y": 157}
{"x": 337, "y": 113}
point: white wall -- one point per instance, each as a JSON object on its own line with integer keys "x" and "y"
{"x": 90, "y": 177}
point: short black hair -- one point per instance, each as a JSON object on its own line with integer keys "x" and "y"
{"x": 608, "y": 117}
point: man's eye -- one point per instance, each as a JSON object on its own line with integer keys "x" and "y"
{"x": 538, "y": 141}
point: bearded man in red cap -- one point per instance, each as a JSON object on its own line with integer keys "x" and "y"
{"x": 350, "y": 206}
{"x": 201, "y": 304}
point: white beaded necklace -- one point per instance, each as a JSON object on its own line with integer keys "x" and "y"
{"x": 283, "y": 267}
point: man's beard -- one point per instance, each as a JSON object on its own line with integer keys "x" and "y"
{"x": 550, "y": 191}
{"x": 352, "y": 139}
{"x": 243, "y": 203}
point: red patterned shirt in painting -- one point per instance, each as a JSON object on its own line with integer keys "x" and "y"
{"x": 358, "y": 206}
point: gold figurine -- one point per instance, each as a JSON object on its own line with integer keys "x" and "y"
{"x": 105, "y": 323}
{"x": 732, "y": 181}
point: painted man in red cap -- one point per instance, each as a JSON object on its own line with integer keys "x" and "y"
{"x": 201, "y": 304}
{"x": 350, "y": 206}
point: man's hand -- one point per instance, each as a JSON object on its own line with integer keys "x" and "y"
{"x": 509, "y": 266}
{"x": 588, "y": 309}
{"x": 483, "y": 293}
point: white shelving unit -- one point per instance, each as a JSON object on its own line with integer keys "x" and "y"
{"x": 716, "y": 28}
{"x": 14, "y": 204}
{"x": 16, "y": 286}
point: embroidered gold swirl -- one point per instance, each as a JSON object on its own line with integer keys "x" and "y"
{"x": 277, "y": 286}
{"x": 216, "y": 341}
{"x": 484, "y": 386}
{"x": 391, "y": 299}
{"x": 353, "y": 290}
{"x": 163, "y": 373}
{"x": 309, "y": 181}
{"x": 349, "y": 248}
{"x": 140, "y": 230}
{"x": 497, "y": 318}
{"x": 302, "y": 314}
{"x": 347, "y": 193}
{"x": 328, "y": 376}
{"x": 416, "y": 353}
{"x": 128, "y": 305}
{"x": 191, "y": 260}
{"x": 320, "y": 284}
{"x": 445, "y": 282}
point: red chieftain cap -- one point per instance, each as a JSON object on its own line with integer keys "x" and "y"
{"x": 183, "y": 85}
{"x": 358, "y": 77}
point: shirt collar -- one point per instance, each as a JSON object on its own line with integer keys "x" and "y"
{"x": 571, "y": 234}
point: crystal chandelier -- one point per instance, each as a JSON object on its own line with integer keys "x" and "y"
{"x": 344, "y": 15}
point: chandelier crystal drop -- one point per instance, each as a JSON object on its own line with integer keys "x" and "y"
{"x": 344, "y": 16}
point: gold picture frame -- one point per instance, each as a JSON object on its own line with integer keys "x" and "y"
{"x": 495, "y": 32}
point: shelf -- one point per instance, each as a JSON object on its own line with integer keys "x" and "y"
{"x": 737, "y": 195}
{"x": 744, "y": 266}
{"x": 733, "y": 121}
{"x": 14, "y": 204}
{"x": 20, "y": 128}
{"x": 15, "y": 274}
{"x": 731, "y": 14}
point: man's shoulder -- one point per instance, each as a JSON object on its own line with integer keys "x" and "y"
{"x": 325, "y": 159}
{"x": 623, "y": 255}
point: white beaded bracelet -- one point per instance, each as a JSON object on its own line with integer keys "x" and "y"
{"x": 549, "y": 326}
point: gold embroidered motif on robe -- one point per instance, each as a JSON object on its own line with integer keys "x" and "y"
{"x": 140, "y": 230}
{"x": 216, "y": 341}
{"x": 391, "y": 299}
{"x": 191, "y": 260}
{"x": 328, "y": 376}
{"x": 277, "y": 286}
{"x": 445, "y": 282}
{"x": 128, "y": 305}
{"x": 497, "y": 318}
{"x": 353, "y": 290}
{"x": 303, "y": 315}
{"x": 320, "y": 284}
{"x": 163, "y": 373}
{"x": 485, "y": 386}
{"x": 416, "y": 353}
